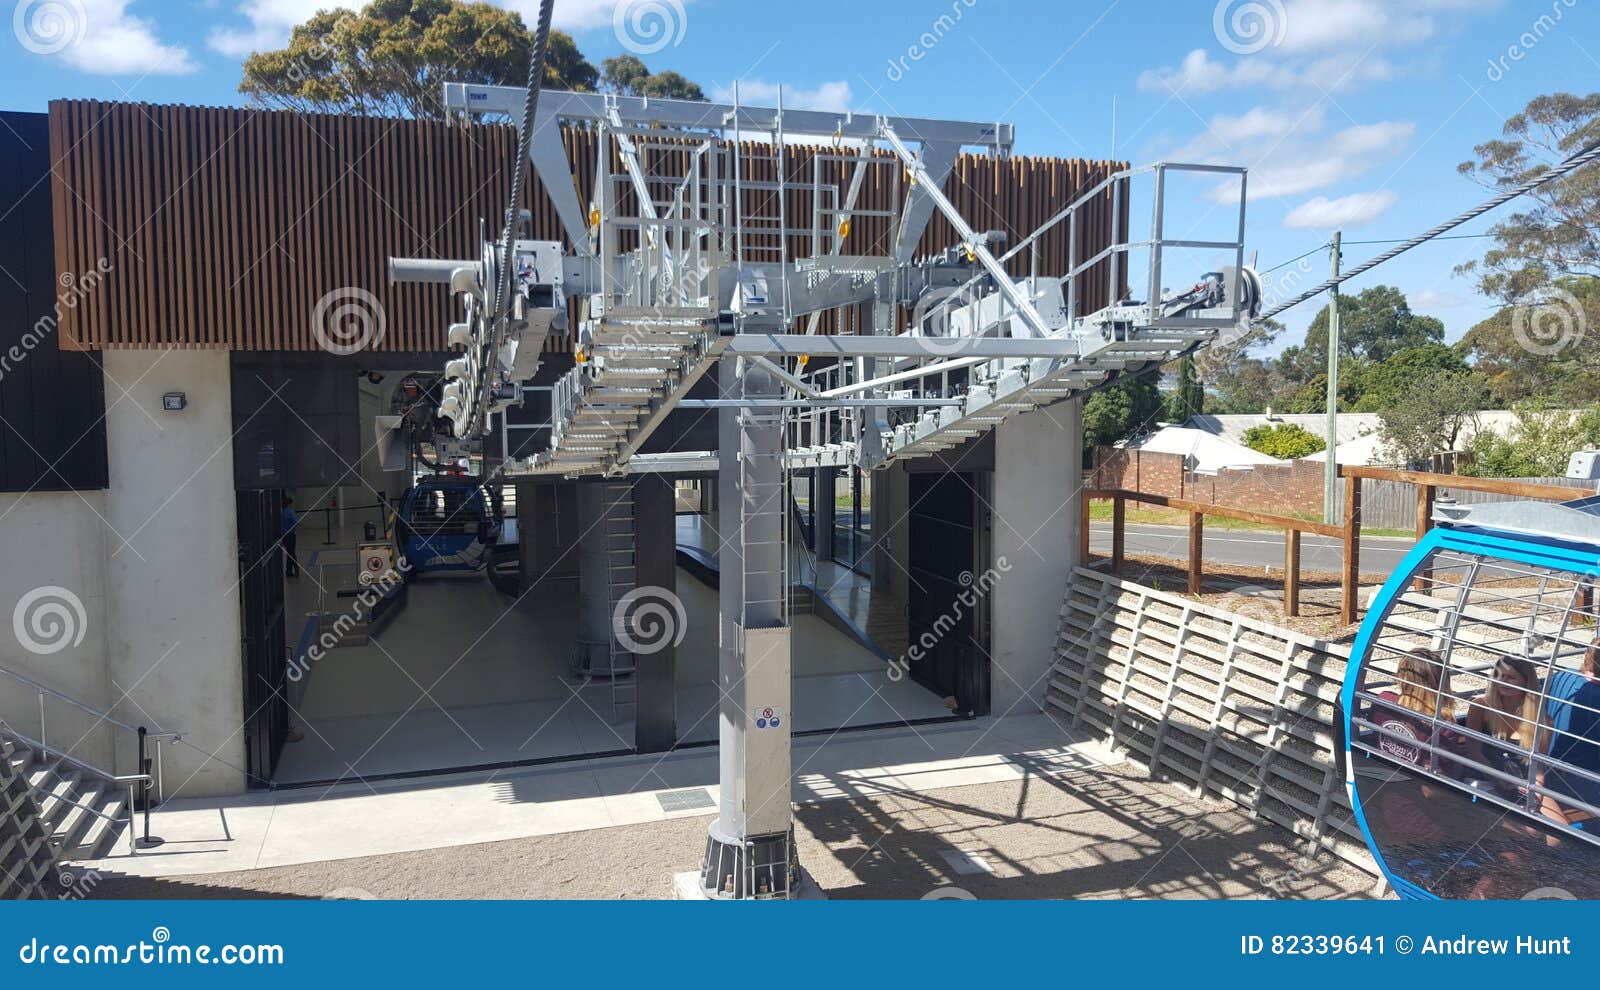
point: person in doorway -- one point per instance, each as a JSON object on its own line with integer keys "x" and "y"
{"x": 1571, "y": 740}
{"x": 291, "y": 519}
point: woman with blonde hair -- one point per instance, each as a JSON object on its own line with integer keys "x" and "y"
{"x": 1509, "y": 708}
{"x": 1419, "y": 707}
{"x": 1508, "y": 712}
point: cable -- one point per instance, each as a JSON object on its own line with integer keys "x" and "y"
{"x": 1582, "y": 158}
{"x": 1323, "y": 246}
{"x": 502, "y": 297}
{"x": 1449, "y": 237}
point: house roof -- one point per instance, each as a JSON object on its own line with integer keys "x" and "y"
{"x": 1206, "y": 452}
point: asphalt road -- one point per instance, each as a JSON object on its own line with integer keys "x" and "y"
{"x": 1251, "y": 547}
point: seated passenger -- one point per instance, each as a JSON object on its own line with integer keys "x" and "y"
{"x": 1408, "y": 735}
{"x": 1509, "y": 712}
{"x": 1572, "y": 733}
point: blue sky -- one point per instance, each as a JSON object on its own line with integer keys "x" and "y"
{"x": 1349, "y": 114}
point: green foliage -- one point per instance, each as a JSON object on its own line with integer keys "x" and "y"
{"x": 391, "y": 58}
{"x": 1124, "y": 410}
{"x": 1285, "y": 441}
{"x": 1189, "y": 398}
{"x": 628, "y": 75}
{"x": 1551, "y": 236}
{"x": 1373, "y": 325}
{"x": 1237, "y": 381}
{"x": 1430, "y": 416}
{"x": 1378, "y": 385}
{"x": 1538, "y": 445}
{"x": 1542, "y": 348}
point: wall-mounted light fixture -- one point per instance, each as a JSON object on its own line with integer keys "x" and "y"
{"x": 174, "y": 402}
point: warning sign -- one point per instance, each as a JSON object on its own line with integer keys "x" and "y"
{"x": 768, "y": 717}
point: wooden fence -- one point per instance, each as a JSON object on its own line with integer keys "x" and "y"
{"x": 1393, "y": 504}
{"x": 1421, "y": 487}
{"x": 1238, "y": 708}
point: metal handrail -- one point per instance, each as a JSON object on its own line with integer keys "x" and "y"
{"x": 45, "y": 748}
{"x": 87, "y": 709}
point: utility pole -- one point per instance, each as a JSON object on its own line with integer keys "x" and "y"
{"x": 1330, "y": 474}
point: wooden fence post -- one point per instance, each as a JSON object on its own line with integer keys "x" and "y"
{"x": 1349, "y": 584}
{"x": 1118, "y": 545}
{"x": 1196, "y": 549}
{"x": 1424, "y": 523}
{"x": 1291, "y": 573}
{"x": 1083, "y": 528}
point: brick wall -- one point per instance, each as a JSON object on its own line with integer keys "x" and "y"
{"x": 1294, "y": 487}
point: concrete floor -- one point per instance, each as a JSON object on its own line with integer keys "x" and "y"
{"x": 1058, "y": 824}
{"x": 466, "y": 676}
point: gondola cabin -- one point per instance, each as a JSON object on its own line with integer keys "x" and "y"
{"x": 1470, "y": 712}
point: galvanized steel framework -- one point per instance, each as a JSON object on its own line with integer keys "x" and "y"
{"x": 696, "y": 269}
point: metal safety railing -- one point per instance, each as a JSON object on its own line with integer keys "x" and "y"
{"x": 139, "y": 785}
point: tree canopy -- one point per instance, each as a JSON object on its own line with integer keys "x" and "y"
{"x": 628, "y": 75}
{"x": 391, "y": 58}
{"x": 1551, "y": 235}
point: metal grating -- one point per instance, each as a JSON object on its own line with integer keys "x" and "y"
{"x": 693, "y": 799}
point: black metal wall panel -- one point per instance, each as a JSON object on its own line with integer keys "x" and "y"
{"x": 52, "y": 403}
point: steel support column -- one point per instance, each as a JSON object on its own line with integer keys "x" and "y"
{"x": 750, "y": 846}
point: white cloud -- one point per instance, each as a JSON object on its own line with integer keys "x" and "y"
{"x": 1287, "y": 151}
{"x": 833, "y": 96}
{"x": 1198, "y": 73}
{"x": 1435, "y": 299}
{"x": 270, "y": 23}
{"x": 100, "y": 37}
{"x": 1354, "y": 210}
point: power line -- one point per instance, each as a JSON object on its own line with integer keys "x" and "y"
{"x": 1582, "y": 158}
{"x": 1320, "y": 247}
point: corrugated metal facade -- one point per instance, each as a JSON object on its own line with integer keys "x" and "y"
{"x": 225, "y": 227}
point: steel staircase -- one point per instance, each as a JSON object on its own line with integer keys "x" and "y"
{"x": 83, "y": 808}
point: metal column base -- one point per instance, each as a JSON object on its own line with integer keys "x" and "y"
{"x": 762, "y": 867}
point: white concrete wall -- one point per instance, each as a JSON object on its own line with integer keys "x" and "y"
{"x": 53, "y": 596}
{"x": 171, "y": 573}
{"x": 1037, "y": 475}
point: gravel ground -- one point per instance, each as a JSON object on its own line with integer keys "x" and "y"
{"x": 1105, "y": 833}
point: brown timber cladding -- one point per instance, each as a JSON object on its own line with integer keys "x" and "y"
{"x": 224, "y": 227}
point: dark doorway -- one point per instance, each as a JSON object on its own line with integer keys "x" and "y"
{"x": 946, "y": 654}
{"x": 265, "y": 650}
